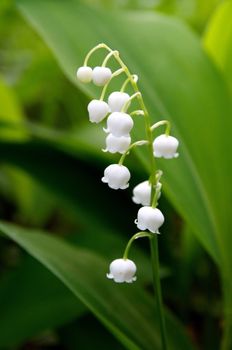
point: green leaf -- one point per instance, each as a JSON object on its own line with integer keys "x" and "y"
{"x": 218, "y": 39}
{"x": 126, "y": 310}
{"x": 41, "y": 302}
{"x": 178, "y": 82}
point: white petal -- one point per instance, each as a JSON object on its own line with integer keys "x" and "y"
{"x": 101, "y": 75}
{"x": 84, "y": 74}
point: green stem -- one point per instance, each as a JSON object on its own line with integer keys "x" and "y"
{"x": 136, "y": 236}
{"x": 128, "y": 81}
{"x": 112, "y": 53}
{"x": 160, "y": 123}
{"x": 157, "y": 287}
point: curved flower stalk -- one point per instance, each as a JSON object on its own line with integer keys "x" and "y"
{"x": 119, "y": 122}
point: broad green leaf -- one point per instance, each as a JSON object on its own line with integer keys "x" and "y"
{"x": 126, "y": 310}
{"x": 178, "y": 82}
{"x": 32, "y": 300}
{"x": 218, "y": 39}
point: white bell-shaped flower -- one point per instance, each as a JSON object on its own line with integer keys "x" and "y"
{"x": 149, "y": 219}
{"x": 142, "y": 193}
{"x": 101, "y": 75}
{"x": 117, "y": 176}
{"x": 117, "y": 144}
{"x": 122, "y": 270}
{"x": 119, "y": 124}
{"x": 165, "y": 146}
{"x": 117, "y": 100}
{"x": 85, "y": 74}
{"x": 98, "y": 110}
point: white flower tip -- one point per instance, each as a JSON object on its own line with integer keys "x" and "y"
{"x": 124, "y": 187}
{"x": 101, "y": 75}
{"x": 135, "y": 78}
{"x": 117, "y": 144}
{"x": 104, "y": 179}
{"x": 122, "y": 270}
{"x": 150, "y": 219}
{"x": 117, "y": 100}
{"x": 119, "y": 124}
{"x": 84, "y": 74}
{"x": 98, "y": 110}
{"x": 116, "y": 176}
{"x": 165, "y": 146}
{"x": 133, "y": 279}
{"x": 142, "y": 193}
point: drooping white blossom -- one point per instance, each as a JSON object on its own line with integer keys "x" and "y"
{"x": 142, "y": 193}
{"x": 116, "y": 176}
{"x": 119, "y": 124}
{"x": 85, "y": 74}
{"x": 117, "y": 144}
{"x": 101, "y": 75}
{"x": 149, "y": 218}
{"x": 122, "y": 270}
{"x": 117, "y": 100}
{"x": 98, "y": 110}
{"x": 165, "y": 146}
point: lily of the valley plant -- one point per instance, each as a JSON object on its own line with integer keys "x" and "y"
{"x": 119, "y": 116}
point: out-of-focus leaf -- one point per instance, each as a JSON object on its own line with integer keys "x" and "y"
{"x": 34, "y": 203}
{"x": 33, "y": 300}
{"x": 121, "y": 308}
{"x": 218, "y": 39}
{"x": 27, "y": 195}
{"x": 10, "y": 111}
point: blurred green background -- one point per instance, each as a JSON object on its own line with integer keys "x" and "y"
{"x": 53, "y": 290}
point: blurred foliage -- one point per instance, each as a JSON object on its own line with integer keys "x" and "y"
{"x": 51, "y": 163}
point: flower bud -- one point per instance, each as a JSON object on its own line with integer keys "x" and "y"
{"x": 119, "y": 124}
{"x": 117, "y": 176}
{"x": 122, "y": 270}
{"x": 85, "y": 74}
{"x": 98, "y": 110}
{"x": 101, "y": 75}
{"x": 117, "y": 100}
{"x": 117, "y": 144}
{"x": 149, "y": 219}
{"x": 142, "y": 193}
{"x": 165, "y": 146}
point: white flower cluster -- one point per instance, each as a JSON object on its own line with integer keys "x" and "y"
{"x": 119, "y": 124}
